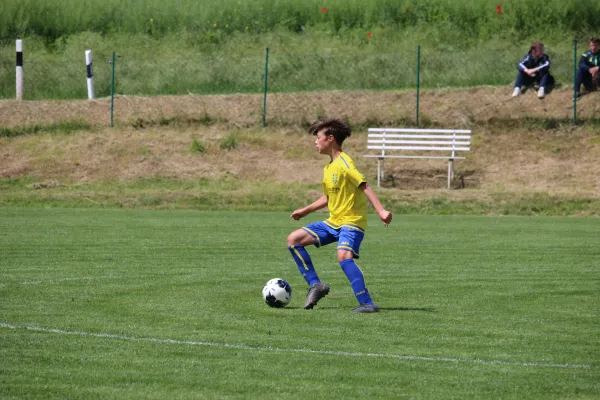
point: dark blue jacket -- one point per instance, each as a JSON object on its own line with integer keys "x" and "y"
{"x": 529, "y": 62}
{"x": 588, "y": 60}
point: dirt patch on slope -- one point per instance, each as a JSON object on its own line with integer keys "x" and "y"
{"x": 153, "y": 138}
{"x": 444, "y": 107}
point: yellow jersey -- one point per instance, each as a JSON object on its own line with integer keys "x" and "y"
{"x": 346, "y": 201}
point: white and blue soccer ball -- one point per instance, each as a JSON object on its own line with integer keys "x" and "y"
{"x": 277, "y": 293}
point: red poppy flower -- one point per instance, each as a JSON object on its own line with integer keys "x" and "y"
{"x": 324, "y": 9}
{"x": 498, "y": 9}
{"x": 369, "y": 35}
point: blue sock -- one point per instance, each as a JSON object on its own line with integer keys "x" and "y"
{"x": 357, "y": 280}
{"x": 304, "y": 263}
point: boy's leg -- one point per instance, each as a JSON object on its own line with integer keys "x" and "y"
{"x": 595, "y": 82}
{"x": 296, "y": 245}
{"x": 527, "y": 80}
{"x": 578, "y": 81}
{"x": 518, "y": 84}
{"x": 304, "y": 264}
{"x": 521, "y": 83}
{"x": 357, "y": 281}
{"x": 587, "y": 81}
{"x": 348, "y": 249}
{"x": 317, "y": 234}
{"x": 584, "y": 77}
{"x": 542, "y": 79}
{"x": 550, "y": 82}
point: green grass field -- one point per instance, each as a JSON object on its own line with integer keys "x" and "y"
{"x": 167, "y": 304}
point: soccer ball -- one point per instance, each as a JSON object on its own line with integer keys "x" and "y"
{"x": 277, "y": 293}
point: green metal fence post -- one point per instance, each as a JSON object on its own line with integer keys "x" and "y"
{"x": 418, "y": 79}
{"x": 575, "y": 88}
{"x": 112, "y": 90}
{"x": 265, "y": 89}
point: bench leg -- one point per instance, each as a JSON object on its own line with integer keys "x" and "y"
{"x": 378, "y": 172}
{"x": 450, "y": 172}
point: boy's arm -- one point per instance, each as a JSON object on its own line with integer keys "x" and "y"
{"x": 522, "y": 66}
{"x": 384, "y": 215}
{"x": 545, "y": 63}
{"x": 317, "y": 205}
{"x": 583, "y": 64}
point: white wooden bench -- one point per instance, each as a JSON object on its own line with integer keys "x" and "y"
{"x": 418, "y": 143}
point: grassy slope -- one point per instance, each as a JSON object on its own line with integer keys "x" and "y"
{"x": 524, "y": 161}
{"x": 189, "y": 47}
{"x": 313, "y": 61}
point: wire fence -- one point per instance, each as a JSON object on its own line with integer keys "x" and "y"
{"x": 286, "y": 87}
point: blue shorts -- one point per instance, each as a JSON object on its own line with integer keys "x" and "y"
{"x": 348, "y": 237}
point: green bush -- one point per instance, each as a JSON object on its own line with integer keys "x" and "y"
{"x": 228, "y": 143}
{"x": 198, "y": 147}
{"x": 472, "y": 18}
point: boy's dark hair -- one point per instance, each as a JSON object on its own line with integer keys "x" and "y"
{"x": 313, "y": 128}
{"x": 595, "y": 39}
{"x": 339, "y": 129}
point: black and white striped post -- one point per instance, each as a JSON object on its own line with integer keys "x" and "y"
{"x": 90, "y": 74}
{"x": 19, "y": 84}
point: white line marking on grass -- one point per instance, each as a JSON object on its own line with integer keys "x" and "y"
{"x": 93, "y": 278}
{"x": 281, "y": 350}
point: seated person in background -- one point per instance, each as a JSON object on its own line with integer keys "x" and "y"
{"x": 587, "y": 73}
{"x": 534, "y": 69}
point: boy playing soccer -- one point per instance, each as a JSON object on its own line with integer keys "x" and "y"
{"x": 345, "y": 194}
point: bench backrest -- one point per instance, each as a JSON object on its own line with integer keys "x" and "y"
{"x": 392, "y": 141}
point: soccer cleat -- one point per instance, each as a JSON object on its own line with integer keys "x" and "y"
{"x": 315, "y": 293}
{"x": 366, "y": 308}
{"x": 516, "y": 92}
{"x": 541, "y": 93}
